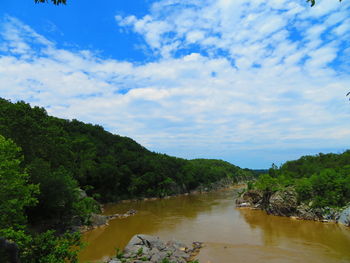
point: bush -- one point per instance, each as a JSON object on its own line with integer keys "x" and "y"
{"x": 45, "y": 247}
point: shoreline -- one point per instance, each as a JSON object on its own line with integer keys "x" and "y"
{"x": 284, "y": 203}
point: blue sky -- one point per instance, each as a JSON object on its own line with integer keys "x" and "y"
{"x": 250, "y": 82}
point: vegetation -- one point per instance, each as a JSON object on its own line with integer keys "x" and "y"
{"x": 17, "y": 194}
{"x": 323, "y": 180}
{"x": 52, "y": 170}
{"x": 313, "y": 2}
{"x": 55, "y": 2}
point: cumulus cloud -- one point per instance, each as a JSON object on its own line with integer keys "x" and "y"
{"x": 231, "y": 78}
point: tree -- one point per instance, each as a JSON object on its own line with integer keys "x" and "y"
{"x": 15, "y": 192}
{"x": 55, "y": 2}
{"x": 313, "y": 2}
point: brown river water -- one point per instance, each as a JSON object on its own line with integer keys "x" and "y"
{"x": 230, "y": 235}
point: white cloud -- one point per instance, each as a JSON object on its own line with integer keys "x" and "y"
{"x": 253, "y": 76}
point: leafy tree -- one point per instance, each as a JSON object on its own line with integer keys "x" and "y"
{"x": 323, "y": 179}
{"x": 45, "y": 247}
{"x": 267, "y": 183}
{"x": 304, "y": 189}
{"x": 16, "y": 193}
{"x": 313, "y": 2}
{"x": 55, "y": 2}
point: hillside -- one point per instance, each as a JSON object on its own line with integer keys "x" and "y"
{"x": 62, "y": 156}
{"x": 320, "y": 181}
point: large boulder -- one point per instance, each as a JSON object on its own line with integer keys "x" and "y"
{"x": 304, "y": 211}
{"x": 283, "y": 202}
{"x": 344, "y": 217}
{"x": 98, "y": 220}
{"x": 253, "y": 196}
{"x": 250, "y": 198}
{"x": 8, "y": 251}
{"x": 146, "y": 248}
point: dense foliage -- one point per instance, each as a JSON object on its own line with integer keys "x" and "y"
{"x": 323, "y": 180}
{"x": 55, "y": 2}
{"x": 16, "y": 194}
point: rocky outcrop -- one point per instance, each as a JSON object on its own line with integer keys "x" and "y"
{"x": 221, "y": 184}
{"x": 344, "y": 217}
{"x": 97, "y": 220}
{"x": 252, "y": 198}
{"x": 150, "y": 249}
{"x": 285, "y": 203}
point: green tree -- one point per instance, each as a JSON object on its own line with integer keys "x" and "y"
{"x": 46, "y": 247}
{"x": 313, "y": 2}
{"x": 267, "y": 183}
{"x": 56, "y": 2}
{"x": 15, "y": 192}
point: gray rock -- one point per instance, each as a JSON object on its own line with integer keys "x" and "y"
{"x": 344, "y": 217}
{"x": 253, "y": 196}
{"x": 283, "y": 203}
{"x": 98, "y": 220}
{"x": 157, "y": 258}
{"x": 304, "y": 211}
{"x": 181, "y": 254}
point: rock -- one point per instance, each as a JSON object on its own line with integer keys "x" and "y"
{"x": 157, "y": 258}
{"x": 330, "y": 214}
{"x": 283, "y": 203}
{"x": 344, "y": 217}
{"x": 244, "y": 204}
{"x": 98, "y": 220}
{"x": 251, "y": 198}
{"x": 146, "y": 248}
{"x": 131, "y": 212}
{"x": 304, "y": 211}
{"x": 9, "y": 251}
{"x": 81, "y": 193}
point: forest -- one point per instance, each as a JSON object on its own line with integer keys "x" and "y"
{"x": 321, "y": 180}
{"x": 55, "y": 172}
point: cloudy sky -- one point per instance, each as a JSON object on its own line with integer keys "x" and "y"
{"x": 250, "y": 82}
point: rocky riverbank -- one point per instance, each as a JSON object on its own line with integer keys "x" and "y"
{"x": 150, "y": 249}
{"x": 285, "y": 203}
{"x": 98, "y": 220}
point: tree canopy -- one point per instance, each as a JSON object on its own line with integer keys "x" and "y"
{"x": 16, "y": 193}
{"x": 323, "y": 179}
{"x": 313, "y": 2}
{"x": 56, "y": 2}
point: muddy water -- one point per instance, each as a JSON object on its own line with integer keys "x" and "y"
{"x": 230, "y": 234}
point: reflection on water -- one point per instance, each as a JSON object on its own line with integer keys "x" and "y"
{"x": 230, "y": 234}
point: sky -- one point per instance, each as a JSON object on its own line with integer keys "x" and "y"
{"x": 250, "y": 82}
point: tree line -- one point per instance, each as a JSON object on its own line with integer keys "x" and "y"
{"x": 321, "y": 180}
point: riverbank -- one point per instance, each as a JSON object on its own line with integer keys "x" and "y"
{"x": 285, "y": 203}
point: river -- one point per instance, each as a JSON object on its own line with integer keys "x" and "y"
{"x": 230, "y": 234}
